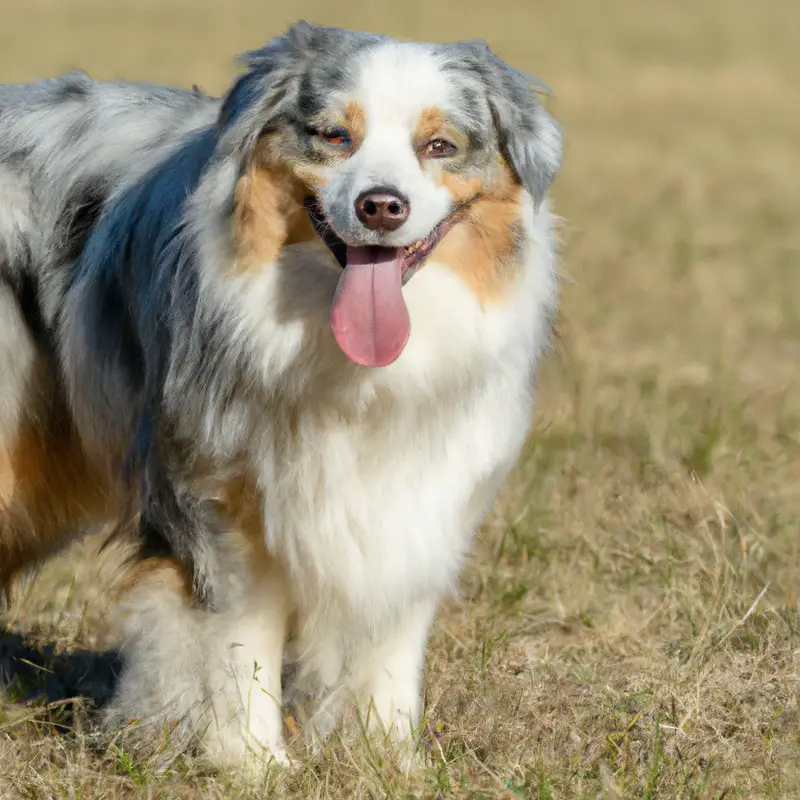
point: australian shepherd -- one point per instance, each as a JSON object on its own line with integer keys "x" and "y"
{"x": 292, "y": 334}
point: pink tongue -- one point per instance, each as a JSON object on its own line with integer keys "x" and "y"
{"x": 369, "y": 317}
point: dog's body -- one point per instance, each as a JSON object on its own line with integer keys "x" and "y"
{"x": 166, "y": 305}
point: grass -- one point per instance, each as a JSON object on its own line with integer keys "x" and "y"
{"x": 628, "y": 626}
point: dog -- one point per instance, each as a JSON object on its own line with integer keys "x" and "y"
{"x": 291, "y": 336}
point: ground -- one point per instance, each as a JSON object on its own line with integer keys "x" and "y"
{"x": 628, "y": 626}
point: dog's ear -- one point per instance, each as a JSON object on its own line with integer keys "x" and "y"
{"x": 271, "y": 86}
{"x": 261, "y": 92}
{"x": 529, "y": 137}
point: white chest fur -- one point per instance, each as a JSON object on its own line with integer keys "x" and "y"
{"x": 371, "y": 510}
{"x": 373, "y": 482}
{"x": 374, "y": 488}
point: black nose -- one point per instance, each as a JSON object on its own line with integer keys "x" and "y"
{"x": 382, "y": 209}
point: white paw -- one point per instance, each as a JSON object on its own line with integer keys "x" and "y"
{"x": 237, "y": 750}
{"x": 256, "y": 763}
{"x": 401, "y": 738}
{"x": 410, "y": 755}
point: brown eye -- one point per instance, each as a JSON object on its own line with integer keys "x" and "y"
{"x": 439, "y": 148}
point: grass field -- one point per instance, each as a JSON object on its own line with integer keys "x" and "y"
{"x": 628, "y": 626}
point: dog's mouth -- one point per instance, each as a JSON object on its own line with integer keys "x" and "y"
{"x": 412, "y": 257}
{"x": 369, "y": 317}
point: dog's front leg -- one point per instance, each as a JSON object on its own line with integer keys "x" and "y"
{"x": 253, "y": 734}
{"x": 390, "y": 672}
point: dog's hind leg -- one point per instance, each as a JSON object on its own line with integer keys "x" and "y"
{"x": 18, "y": 543}
{"x": 48, "y": 489}
{"x": 50, "y": 494}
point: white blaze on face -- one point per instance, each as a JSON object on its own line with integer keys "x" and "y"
{"x": 396, "y": 84}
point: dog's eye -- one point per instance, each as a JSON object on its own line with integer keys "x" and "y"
{"x": 338, "y": 137}
{"x": 439, "y": 148}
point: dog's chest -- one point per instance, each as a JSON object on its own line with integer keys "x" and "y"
{"x": 368, "y": 511}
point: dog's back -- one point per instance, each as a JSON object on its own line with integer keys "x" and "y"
{"x": 67, "y": 146}
{"x": 69, "y": 143}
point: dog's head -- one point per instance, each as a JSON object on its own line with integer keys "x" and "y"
{"x": 389, "y": 145}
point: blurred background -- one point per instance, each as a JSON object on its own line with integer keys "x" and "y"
{"x": 629, "y": 623}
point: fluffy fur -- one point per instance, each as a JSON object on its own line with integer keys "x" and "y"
{"x": 166, "y": 352}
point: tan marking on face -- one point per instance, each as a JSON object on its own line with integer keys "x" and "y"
{"x": 271, "y": 153}
{"x": 308, "y": 179}
{"x": 430, "y": 123}
{"x": 481, "y": 250}
{"x": 461, "y": 189}
{"x": 354, "y": 120}
{"x": 433, "y": 124}
{"x": 269, "y": 215}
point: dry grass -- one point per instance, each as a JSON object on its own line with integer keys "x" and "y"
{"x": 629, "y": 624}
